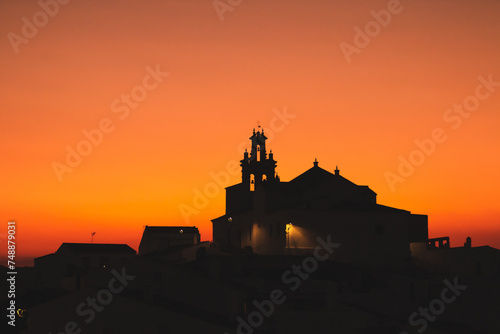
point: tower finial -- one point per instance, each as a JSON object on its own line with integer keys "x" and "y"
{"x": 315, "y": 163}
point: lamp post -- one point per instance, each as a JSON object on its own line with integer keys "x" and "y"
{"x": 287, "y": 230}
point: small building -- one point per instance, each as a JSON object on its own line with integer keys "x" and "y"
{"x": 66, "y": 267}
{"x": 161, "y": 238}
{"x": 436, "y": 255}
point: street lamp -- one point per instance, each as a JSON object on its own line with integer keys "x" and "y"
{"x": 287, "y": 230}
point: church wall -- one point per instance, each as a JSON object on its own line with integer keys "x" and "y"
{"x": 418, "y": 228}
{"x": 238, "y": 199}
{"x": 366, "y": 237}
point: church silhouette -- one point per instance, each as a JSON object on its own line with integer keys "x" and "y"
{"x": 314, "y": 204}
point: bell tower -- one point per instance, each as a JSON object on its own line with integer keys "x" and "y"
{"x": 258, "y": 166}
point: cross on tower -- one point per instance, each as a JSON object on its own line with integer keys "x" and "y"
{"x": 258, "y": 124}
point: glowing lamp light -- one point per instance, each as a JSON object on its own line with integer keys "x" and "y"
{"x": 181, "y": 231}
{"x": 230, "y": 219}
{"x": 287, "y": 230}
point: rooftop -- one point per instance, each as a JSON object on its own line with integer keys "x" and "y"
{"x": 97, "y": 248}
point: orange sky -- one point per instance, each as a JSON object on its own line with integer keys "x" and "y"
{"x": 265, "y": 57}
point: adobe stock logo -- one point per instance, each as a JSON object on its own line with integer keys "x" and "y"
{"x": 372, "y": 29}
{"x": 427, "y": 146}
{"x": 222, "y": 6}
{"x": 437, "y": 306}
{"x": 122, "y": 106}
{"x": 103, "y": 298}
{"x": 221, "y": 179}
{"x": 30, "y": 28}
{"x": 292, "y": 279}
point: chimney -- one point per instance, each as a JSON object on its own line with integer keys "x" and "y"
{"x": 468, "y": 243}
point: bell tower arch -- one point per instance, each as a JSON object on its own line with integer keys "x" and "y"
{"x": 258, "y": 163}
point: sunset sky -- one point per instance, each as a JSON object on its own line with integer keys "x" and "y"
{"x": 175, "y": 87}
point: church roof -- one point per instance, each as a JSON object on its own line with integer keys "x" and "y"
{"x": 316, "y": 175}
{"x": 313, "y": 176}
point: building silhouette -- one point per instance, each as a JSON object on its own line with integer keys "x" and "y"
{"x": 161, "y": 238}
{"x": 316, "y": 203}
{"x": 66, "y": 267}
{"x": 384, "y": 276}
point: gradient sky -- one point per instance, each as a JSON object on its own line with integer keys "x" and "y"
{"x": 264, "y": 57}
